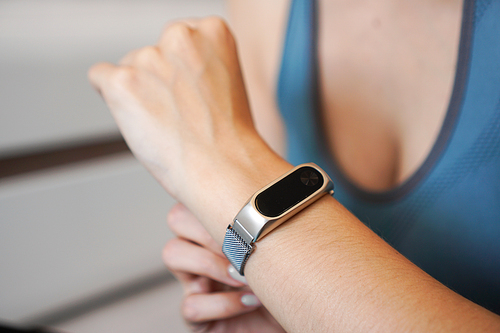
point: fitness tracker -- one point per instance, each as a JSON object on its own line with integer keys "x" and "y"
{"x": 271, "y": 206}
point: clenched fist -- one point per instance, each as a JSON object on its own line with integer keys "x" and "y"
{"x": 182, "y": 108}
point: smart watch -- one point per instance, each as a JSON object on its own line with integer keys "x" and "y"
{"x": 271, "y": 206}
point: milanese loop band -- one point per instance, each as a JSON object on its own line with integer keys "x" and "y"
{"x": 271, "y": 206}
{"x": 236, "y": 249}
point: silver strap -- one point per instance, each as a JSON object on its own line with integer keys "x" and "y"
{"x": 236, "y": 249}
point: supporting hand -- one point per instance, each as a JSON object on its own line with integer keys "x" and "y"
{"x": 214, "y": 300}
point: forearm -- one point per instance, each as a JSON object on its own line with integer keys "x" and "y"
{"x": 324, "y": 271}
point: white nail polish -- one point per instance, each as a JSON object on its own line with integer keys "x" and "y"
{"x": 235, "y": 275}
{"x": 250, "y": 300}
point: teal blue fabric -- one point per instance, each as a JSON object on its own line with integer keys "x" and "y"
{"x": 446, "y": 217}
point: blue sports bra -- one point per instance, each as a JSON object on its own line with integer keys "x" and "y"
{"x": 446, "y": 217}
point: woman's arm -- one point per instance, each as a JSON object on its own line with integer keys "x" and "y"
{"x": 183, "y": 111}
{"x": 339, "y": 276}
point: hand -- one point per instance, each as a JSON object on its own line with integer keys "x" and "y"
{"x": 214, "y": 301}
{"x": 182, "y": 108}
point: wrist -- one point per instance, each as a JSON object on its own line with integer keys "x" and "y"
{"x": 270, "y": 207}
{"x": 225, "y": 186}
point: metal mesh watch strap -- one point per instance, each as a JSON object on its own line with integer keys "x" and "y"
{"x": 270, "y": 207}
{"x": 236, "y": 249}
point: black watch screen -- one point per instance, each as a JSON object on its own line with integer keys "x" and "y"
{"x": 289, "y": 191}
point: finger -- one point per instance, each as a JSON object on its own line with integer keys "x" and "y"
{"x": 195, "y": 284}
{"x": 182, "y": 45}
{"x": 199, "y": 308}
{"x": 100, "y": 74}
{"x": 184, "y": 224}
{"x": 149, "y": 59}
{"x": 182, "y": 256}
{"x": 216, "y": 29}
{"x": 173, "y": 33}
{"x": 191, "y": 22}
{"x": 129, "y": 58}
{"x": 218, "y": 32}
{"x": 236, "y": 275}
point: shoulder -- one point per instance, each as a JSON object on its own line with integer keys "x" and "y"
{"x": 259, "y": 27}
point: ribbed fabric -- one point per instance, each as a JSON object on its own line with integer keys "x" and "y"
{"x": 446, "y": 217}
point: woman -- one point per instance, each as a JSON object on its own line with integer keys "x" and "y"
{"x": 401, "y": 108}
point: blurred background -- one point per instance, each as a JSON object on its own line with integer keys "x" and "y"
{"x": 82, "y": 224}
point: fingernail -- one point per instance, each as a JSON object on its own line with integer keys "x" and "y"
{"x": 235, "y": 275}
{"x": 250, "y": 300}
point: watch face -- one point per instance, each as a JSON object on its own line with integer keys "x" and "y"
{"x": 289, "y": 191}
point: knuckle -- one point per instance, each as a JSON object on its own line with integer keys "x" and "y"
{"x": 181, "y": 42}
{"x": 190, "y": 310}
{"x": 215, "y": 23}
{"x": 177, "y": 33}
{"x": 147, "y": 55}
{"x": 124, "y": 77}
{"x": 217, "y": 28}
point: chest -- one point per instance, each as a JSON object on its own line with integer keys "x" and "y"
{"x": 386, "y": 75}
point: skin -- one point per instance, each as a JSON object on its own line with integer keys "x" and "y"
{"x": 386, "y": 74}
{"x": 183, "y": 110}
{"x": 210, "y": 292}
